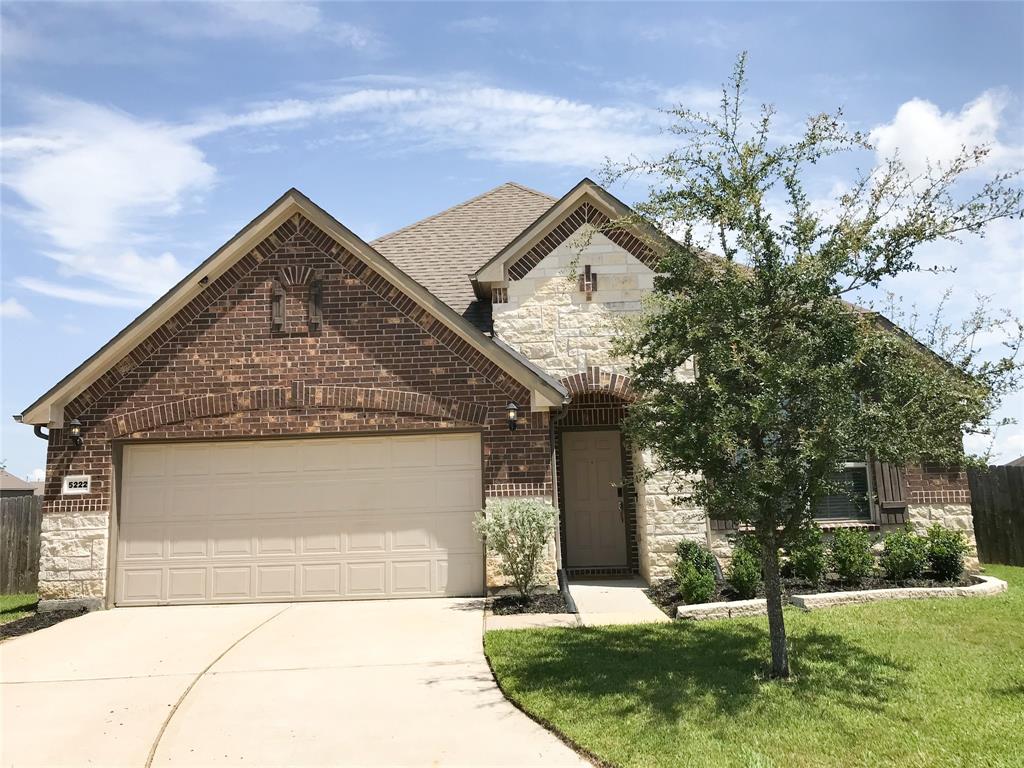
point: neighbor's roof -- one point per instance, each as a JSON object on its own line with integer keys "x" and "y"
{"x": 9, "y": 482}
{"x": 1016, "y": 462}
{"x": 441, "y": 251}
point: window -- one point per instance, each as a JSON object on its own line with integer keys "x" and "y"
{"x": 853, "y": 503}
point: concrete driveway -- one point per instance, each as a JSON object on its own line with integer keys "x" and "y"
{"x": 399, "y": 682}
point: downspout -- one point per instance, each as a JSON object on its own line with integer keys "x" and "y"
{"x": 38, "y": 430}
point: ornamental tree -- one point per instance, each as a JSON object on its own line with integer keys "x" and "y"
{"x": 790, "y": 376}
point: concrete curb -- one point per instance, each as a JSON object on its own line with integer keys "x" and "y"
{"x": 724, "y": 610}
{"x": 989, "y": 586}
{"x": 529, "y": 621}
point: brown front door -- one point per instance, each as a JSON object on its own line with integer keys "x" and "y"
{"x": 594, "y": 528}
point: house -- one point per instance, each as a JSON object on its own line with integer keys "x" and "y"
{"x": 15, "y": 486}
{"x": 309, "y": 416}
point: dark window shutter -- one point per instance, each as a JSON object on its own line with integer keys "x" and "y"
{"x": 316, "y": 300}
{"x": 277, "y": 306}
{"x": 890, "y": 486}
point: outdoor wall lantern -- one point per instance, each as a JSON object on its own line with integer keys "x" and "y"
{"x": 513, "y": 415}
{"x": 76, "y": 433}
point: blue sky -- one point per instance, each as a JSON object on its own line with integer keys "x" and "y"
{"x": 138, "y": 137}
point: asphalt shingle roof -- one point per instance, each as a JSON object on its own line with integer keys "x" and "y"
{"x": 441, "y": 251}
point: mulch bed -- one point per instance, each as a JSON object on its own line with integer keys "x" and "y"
{"x": 507, "y": 605}
{"x": 665, "y": 593}
{"x": 36, "y": 621}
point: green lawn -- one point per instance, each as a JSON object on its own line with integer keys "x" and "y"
{"x": 911, "y": 684}
{"x": 14, "y": 607}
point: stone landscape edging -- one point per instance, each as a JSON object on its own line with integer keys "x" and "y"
{"x": 989, "y": 585}
{"x": 728, "y": 609}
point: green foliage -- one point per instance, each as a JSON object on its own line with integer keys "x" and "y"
{"x": 694, "y": 572}
{"x": 744, "y": 571}
{"x": 518, "y": 530}
{"x": 904, "y": 555}
{"x": 951, "y": 668}
{"x": 697, "y": 554}
{"x": 807, "y": 557}
{"x": 754, "y": 369}
{"x": 946, "y": 550}
{"x": 790, "y": 379}
{"x": 850, "y": 555}
{"x": 695, "y": 586}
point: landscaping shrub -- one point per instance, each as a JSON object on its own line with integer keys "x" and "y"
{"x": 697, "y": 554}
{"x": 946, "y": 550}
{"x": 807, "y": 558}
{"x": 518, "y": 530}
{"x": 744, "y": 573}
{"x": 850, "y": 555}
{"x": 695, "y": 586}
{"x": 904, "y": 555}
{"x": 694, "y": 572}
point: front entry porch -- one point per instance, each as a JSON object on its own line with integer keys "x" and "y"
{"x": 595, "y": 524}
{"x": 594, "y": 471}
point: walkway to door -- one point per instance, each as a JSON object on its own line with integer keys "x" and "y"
{"x": 614, "y": 601}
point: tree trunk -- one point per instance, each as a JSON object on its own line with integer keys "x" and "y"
{"x": 773, "y": 597}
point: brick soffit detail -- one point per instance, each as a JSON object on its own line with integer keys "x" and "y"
{"x": 584, "y": 213}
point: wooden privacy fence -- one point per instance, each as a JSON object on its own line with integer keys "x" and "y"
{"x": 997, "y": 504}
{"x": 20, "y": 521}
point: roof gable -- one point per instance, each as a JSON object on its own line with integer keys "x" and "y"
{"x": 442, "y": 250}
{"x": 586, "y": 203}
{"x": 260, "y": 233}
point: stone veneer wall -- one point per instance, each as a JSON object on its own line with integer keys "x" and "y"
{"x": 547, "y": 319}
{"x": 218, "y": 369}
{"x": 552, "y": 323}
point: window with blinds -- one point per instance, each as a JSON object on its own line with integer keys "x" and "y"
{"x": 852, "y": 502}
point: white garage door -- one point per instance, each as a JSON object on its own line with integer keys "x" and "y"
{"x": 314, "y": 519}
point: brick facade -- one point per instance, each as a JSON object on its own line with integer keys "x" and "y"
{"x": 218, "y": 369}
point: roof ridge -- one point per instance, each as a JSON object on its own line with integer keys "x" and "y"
{"x": 531, "y": 190}
{"x": 457, "y": 206}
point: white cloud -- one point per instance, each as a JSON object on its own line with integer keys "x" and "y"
{"x": 80, "y": 295}
{"x": 37, "y": 475}
{"x": 92, "y": 181}
{"x": 921, "y": 132}
{"x": 278, "y": 21}
{"x": 497, "y": 123}
{"x": 12, "y": 308}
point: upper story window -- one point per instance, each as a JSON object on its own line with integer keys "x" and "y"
{"x": 853, "y": 502}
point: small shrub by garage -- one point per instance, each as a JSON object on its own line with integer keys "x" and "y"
{"x": 518, "y": 530}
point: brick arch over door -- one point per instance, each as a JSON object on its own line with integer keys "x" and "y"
{"x": 299, "y": 395}
{"x": 596, "y": 379}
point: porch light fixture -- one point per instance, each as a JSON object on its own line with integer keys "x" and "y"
{"x": 76, "y": 433}
{"x": 513, "y": 415}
